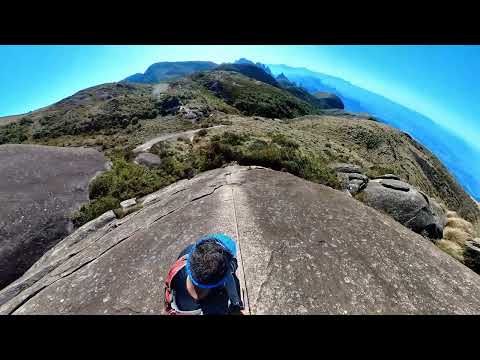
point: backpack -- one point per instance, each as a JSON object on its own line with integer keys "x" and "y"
{"x": 170, "y": 307}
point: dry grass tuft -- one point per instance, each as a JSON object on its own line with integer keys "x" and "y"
{"x": 452, "y": 248}
{"x": 459, "y": 223}
{"x": 456, "y": 235}
{"x": 476, "y": 228}
{"x": 452, "y": 214}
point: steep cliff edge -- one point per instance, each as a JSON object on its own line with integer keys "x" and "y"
{"x": 40, "y": 187}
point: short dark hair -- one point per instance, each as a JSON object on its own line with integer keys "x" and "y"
{"x": 209, "y": 262}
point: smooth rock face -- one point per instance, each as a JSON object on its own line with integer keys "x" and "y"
{"x": 147, "y": 159}
{"x": 39, "y": 187}
{"x": 404, "y": 203}
{"x": 306, "y": 249}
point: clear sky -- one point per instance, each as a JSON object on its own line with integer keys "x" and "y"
{"x": 441, "y": 82}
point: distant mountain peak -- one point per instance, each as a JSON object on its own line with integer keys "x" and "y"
{"x": 258, "y": 64}
{"x": 166, "y": 70}
{"x": 244, "y": 61}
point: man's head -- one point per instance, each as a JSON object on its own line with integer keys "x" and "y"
{"x": 209, "y": 263}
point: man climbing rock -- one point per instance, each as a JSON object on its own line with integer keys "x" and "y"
{"x": 202, "y": 281}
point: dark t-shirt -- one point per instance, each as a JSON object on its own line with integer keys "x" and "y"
{"x": 216, "y": 302}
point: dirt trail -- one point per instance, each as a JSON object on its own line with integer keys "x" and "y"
{"x": 172, "y": 136}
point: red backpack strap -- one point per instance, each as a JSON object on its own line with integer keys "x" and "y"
{"x": 176, "y": 267}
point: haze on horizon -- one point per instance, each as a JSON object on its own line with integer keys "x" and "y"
{"x": 440, "y": 82}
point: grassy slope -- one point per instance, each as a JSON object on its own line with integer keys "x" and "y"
{"x": 116, "y": 117}
{"x": 304, "y": 147}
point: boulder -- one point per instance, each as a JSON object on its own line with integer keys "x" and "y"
{"x": 439, "y": 213}
{"x": 355, "y": 176}
{"x": 40, "y": 187}
{"x": 346, "y": 168}
{"x": 472, "y": 255}
{"x": 355, "y": 186}
{"x": 395, "y": 185}
{"x": 405, "y": 204}
{"x": 148, "y": 160}
{"x": 388, "y": 176}
{"x": 305, "y": 249}
{"x": 352, "y": 183}
{"x": 128, "y": 203}
{"x": 192, "y": 114}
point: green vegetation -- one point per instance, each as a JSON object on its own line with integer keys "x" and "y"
{"x": 202, "y": 133}
{"x": 14, "y": 133}
{"x": 252, "y": 97}
{"x": 370, "y": 139}
{"x": 378, "y": 170}
{"x": 124, "y": 181}
{"x": 94, "y": 209}
{"x": 184, "y": 159}
{"x": 270, "y": 155}
{"x": 284, "y": 141}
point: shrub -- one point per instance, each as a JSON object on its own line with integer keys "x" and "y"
{"x": 184, "y": 139}
{"x": 162, "y": 149}
{"x": 231, "y": 138}
{"x": 257, "y": 144}
{"x": 272, "y": 156}
{"x": 13, "y": 133}
{"x": 25, "y": 121}
{"x": 366, "y": 137}
{"x": 94, "y": 209}
{"x": 202, "y": 133}
{"x": 124, "y": 181}
{"x": 284, "y": 141}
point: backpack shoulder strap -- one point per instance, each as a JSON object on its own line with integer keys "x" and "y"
{"x": 176, "y": 267}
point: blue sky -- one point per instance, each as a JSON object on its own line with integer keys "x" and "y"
{"x": 441, "y": 82}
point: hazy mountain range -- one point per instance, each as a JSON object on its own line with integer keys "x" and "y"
{"x": 456, "y": 154}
